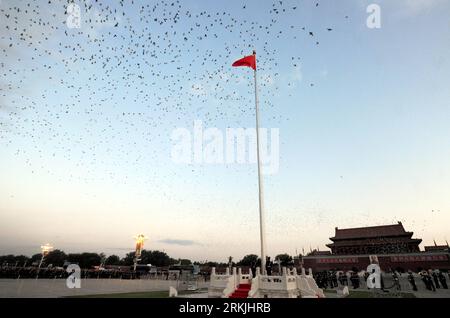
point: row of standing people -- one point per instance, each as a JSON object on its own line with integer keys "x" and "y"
{"x": 432, "y": 279}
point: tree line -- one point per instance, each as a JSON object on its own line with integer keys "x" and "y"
{"x": 89, "y": 260}
{"x": 250, "y": 259}
{"x": 156, "y": 258}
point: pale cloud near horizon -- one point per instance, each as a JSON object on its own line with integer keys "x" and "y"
{"x": 179, "y": 242}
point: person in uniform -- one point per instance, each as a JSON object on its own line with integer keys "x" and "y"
{"x": 334, "y": 278}
{"x": 431, "y": 280}
{"x": 412, "y": 281}
{"x": 253, "y": 268}
{"x": 355, "y": 280}
{"x": 442, "y": 280}
{"x": 435, "y": 276}
{"x": 396, "y": 280}
{"x": 423, "y": 275}
{"x": 269, "y": 267}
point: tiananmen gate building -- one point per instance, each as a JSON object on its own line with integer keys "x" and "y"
{"x": 393, "y": 246}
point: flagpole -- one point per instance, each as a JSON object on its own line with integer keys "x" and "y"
{"x": 260, "y": 183}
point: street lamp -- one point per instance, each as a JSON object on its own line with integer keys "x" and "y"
{"x": 45, "y": 249}
{"x": 139, "y": 247}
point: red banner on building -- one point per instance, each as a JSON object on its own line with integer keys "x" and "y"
{"x": 337, "y": 260}
{"x": 417, "y": 258}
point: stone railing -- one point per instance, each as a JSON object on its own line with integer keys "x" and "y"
{"x": 244, "y": 278}
{"x": 307, "y": 286}
{"x": 284, "y": 286}
{"x": 222, "y": 285}
{"x": 288, "y": 285}
{"x": 255, "y": 287}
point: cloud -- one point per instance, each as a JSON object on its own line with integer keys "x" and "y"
{"x": 93, "y": 22}
{"x": 198, "y": 89}
{"x": 324, "y": 73}
{"x": 267, "y": 79}
{"x": 179, "y": 242}
{"x": 297, "y": 74}
{"x": 223, "y": 76}
{"x": 294, "y": 77}
{"x": 415, "y": 7}
{"x": 420, "y": 5}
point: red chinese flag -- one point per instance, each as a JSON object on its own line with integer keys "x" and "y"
{"x": 249, "y": 61}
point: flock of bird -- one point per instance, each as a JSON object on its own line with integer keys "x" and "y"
{"x": 107, "y": 94}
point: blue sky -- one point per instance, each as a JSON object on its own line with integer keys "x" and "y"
{"x": 85, "y": 143}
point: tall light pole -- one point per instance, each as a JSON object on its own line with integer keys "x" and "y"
{"x": 139, "y": 247}
{"x": 45, "y": 249}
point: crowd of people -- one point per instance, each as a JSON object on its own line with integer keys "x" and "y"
{"x": 432, "y": 279}
{"x": 334, "y": 279}
{"x": 59, "y": 272}
{"x": 17, "y": 272}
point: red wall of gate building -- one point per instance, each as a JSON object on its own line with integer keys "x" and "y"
{"x": 404, "y": 262}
